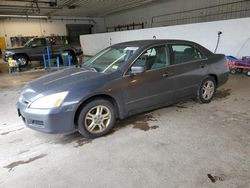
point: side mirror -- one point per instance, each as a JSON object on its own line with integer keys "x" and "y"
{"x": 34, "y": 45}
{"x": 136, "y": 70}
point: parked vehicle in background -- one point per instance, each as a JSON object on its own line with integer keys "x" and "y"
{"x": 120, "y": 81}
{"x": 239, "y": 65}
{"x": 35, "y": 48}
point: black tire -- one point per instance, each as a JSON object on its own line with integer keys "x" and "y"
{"x": 200, "y": 94}
{"x": 239, "y": 70}
{"x": 233, "y": 71}
{"x": 82, "y": 120}
{"x": 22, "y": 59}
{"x": 244, "y": 71}
{"x": 72, "y": 54}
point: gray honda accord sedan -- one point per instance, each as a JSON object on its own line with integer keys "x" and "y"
{"x": 122, "y": 80}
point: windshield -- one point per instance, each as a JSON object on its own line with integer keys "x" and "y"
{"x": 110, "y": 59}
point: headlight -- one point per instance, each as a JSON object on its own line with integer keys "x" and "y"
{"x": 8, "y": 53}
{"x": 50, "y": 101}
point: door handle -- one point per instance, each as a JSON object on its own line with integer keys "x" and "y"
{"x": 167, "y": 74}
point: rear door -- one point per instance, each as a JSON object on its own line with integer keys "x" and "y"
{"x": 152, "y": 87}
{"x": 190, "y": 68}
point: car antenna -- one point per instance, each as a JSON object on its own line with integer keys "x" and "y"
{"x": 218, "y": 41}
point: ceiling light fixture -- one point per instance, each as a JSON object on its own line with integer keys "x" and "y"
{"x": 23, "y": 16}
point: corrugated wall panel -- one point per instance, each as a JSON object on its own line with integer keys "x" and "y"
{"x": 182, "y": 12}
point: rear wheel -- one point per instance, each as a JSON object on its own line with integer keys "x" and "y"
{"x": 239, "y": 70}
{"x": 96, "y": 118}
{"x": 206, "y": 90}
{"x": 72, "y": 55}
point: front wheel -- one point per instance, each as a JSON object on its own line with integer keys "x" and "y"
{"x": 233, "y": 71}
{"x": 206, "y": 90}
{"x": 96, "y": 118}
{"x": 22, "y": 60}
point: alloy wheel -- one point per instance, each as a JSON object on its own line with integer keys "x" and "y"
{"x": 97, "y": 119}
{"x": 22, "y": 60}
{"x": 208, "y": 90}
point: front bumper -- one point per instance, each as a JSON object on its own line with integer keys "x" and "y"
{"x": 6, "y": 56}
{"x": 48, "y": 120}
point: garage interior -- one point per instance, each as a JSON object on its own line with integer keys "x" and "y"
{"x": 183, "y": 145}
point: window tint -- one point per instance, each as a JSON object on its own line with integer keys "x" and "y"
{"x": 40, "y": 42}
{"x": 153, "y": 58}
{"x": 110, "y": 59}
{"x": 184, "y": 53}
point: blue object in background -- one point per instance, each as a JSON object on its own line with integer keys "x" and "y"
{"x": 57, "y": 63}
{"x": 239, "y": 61}
{"x": 69, "y": 60}
{"x": 48, "y": 54}
{"x": 44, "y": 61}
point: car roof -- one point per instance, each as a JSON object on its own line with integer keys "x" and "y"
{"x": 141, "y": 43}
{"x": 152, "y": 42}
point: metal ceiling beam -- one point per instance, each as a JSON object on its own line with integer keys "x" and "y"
{"x": 68, "y": 3}
{"x": 23, "y": 16}
{"x": 39, "y": 17}
{"x": 32, "y": 1}
{"x": 26, "y": 7}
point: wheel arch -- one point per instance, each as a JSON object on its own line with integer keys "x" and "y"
{"x": 70, "y": 51}
{"x": 215, "y": 78}
{"x": 19, "y": 54}
{"x": 99, "y": 96}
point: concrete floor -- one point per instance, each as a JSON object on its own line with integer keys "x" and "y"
{"x": 188, "y": 145}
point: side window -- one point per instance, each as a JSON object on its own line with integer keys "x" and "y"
{"x": 153, "y": 58}
{"x": 183, "y": 53}
{"x": 40, "y": 42}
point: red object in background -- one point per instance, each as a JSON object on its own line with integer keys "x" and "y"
{"x": 239, "y": 65}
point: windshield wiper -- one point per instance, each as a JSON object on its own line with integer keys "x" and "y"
{"x": 94, "y": 69}
{"x": 90, "y": 68}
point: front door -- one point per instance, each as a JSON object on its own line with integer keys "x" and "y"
{"x": 152, "y": 87}
{"x": 38, "y": 48}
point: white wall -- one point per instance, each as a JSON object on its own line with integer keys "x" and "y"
{"x": 22, "y": 27}
{"x": 235, "y": 39}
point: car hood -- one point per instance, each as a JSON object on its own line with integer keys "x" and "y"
{"x": 13, "y": 49}
{"x": 63, "y": 80}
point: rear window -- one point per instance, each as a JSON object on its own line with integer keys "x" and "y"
{"x": 184, "y": 53}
